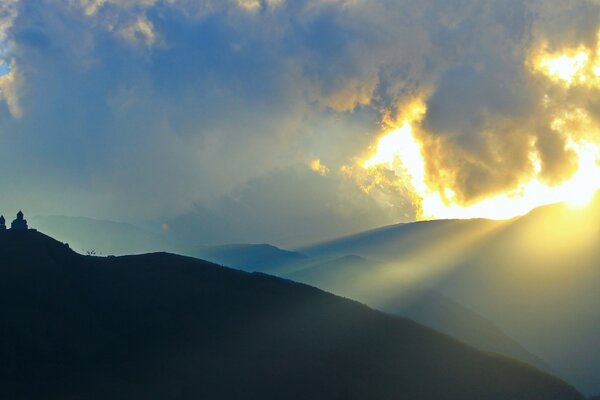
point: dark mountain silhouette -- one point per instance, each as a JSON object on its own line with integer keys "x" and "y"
{"x": 250, "y": 257}
{"x": 160, "y": 326}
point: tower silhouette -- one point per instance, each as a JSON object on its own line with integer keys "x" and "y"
{"x": 19, "y": 224}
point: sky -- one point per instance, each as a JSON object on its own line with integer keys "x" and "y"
{"x": 282, "y": 121}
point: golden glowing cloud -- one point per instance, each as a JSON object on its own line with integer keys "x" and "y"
{"x": 570, "y": 69}
{"x": 399, "y": 150}
{"x": 561, "y": 163}
{"x": 318, "y": 167}
{"x": 574, "y": 66}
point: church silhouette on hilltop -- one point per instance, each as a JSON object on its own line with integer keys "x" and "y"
{"x": 19, "y": 224}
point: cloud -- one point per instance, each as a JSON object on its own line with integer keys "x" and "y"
{"x": 9, "y": 89}
{"x": 481, "y": 143}
{"x": 250, "y": 5}
{"x": 282, "y": 207}
{"x": 8, "y": 13}
{"x": 9, "y": 78}
{"x": 490, "y": 122}
{"x": 171, "y": 104}
{"x": 318, "y": 167}
{"x": 140, "y": 31}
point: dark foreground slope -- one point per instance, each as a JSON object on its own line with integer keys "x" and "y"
{"x": 161, "y": 326}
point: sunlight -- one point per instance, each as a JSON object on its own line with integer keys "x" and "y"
{"x": 396, "y": 164}
{"x": 317, "y": 166}
{"x": 400, "y": 151}
{"x": 574, "y": 66}
{"x": 423, "y": 263}
{"x": 568, "y": 68}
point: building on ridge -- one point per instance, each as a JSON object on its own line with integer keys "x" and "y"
{"x": 2, "y": 223}
{"x": 19, "y": 224}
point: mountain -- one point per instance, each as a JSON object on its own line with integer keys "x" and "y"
{"x": 534, "y": 277}
{"x": 161, "y": 326}
{"x": 250, "y": 257}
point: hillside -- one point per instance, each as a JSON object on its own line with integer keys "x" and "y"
{"x": 160, "y": 326}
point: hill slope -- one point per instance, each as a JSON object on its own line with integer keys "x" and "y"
{"x": 160, "y": 326}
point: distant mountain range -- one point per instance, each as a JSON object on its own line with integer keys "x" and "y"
{"x": 161, "y": 326}
{"x": 251, "y": 257}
